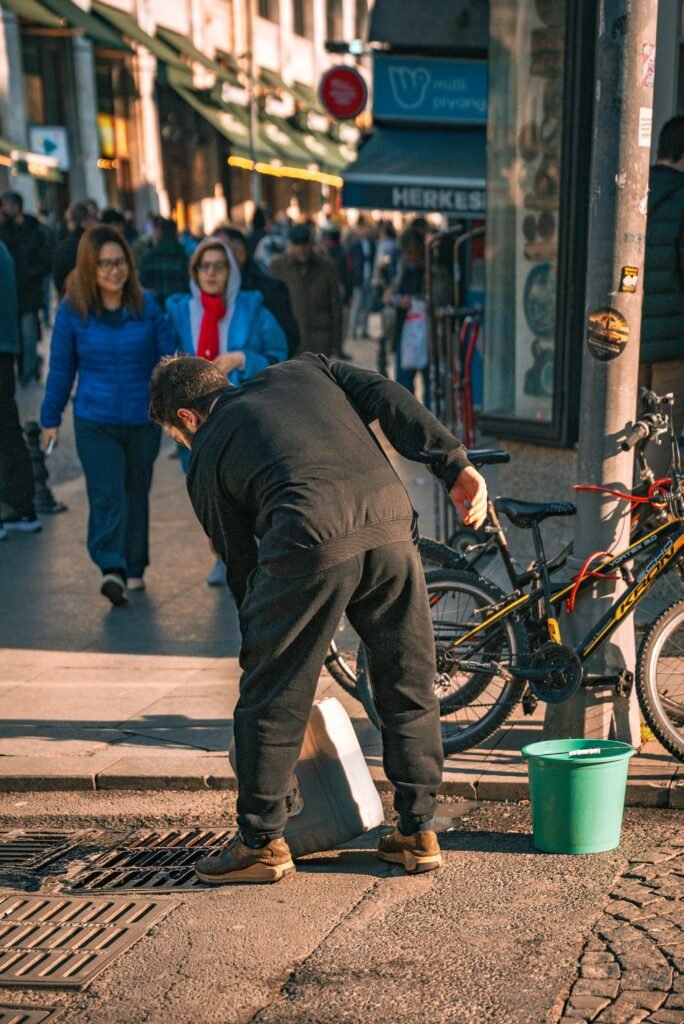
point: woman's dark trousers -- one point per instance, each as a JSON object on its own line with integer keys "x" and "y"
{"x": 117, "y": 462}
{"x": 287, "y": 625}
{"x": 16, "y": 475}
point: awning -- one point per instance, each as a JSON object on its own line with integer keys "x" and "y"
{"x": 228, "y": 121}
{"x": 430, "y": 25}
{"x": 270, "y": 80}
{"x": 23, "y": 161}
{"x": 128, "y": 26}
{"x": 189, "y": 50}
{"x": 427, "y": 171}
{"x": 88, "y": 24}
{"x": 308, "y": 98}
{"x": 32, "y": 11}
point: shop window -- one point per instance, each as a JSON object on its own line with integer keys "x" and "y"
{"x": 268, "y": 9}
{"x": 334, "y": 20}
{"x": 302, "y": 18}
{"x": 523, "y": 170}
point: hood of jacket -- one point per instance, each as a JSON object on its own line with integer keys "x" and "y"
{"x": 234, "y": 278}
{"x": 662, "y": 182}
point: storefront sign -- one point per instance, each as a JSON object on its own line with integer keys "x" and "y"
{"x": 52, "y": 142}
{"x": 436, "y": 90}
{"x": 467, "y": 202}
{"x": 343, "y": 92}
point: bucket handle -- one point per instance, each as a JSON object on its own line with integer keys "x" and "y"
{"x": 582, "y": 753}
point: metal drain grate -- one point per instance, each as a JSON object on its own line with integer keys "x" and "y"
{"x": 20, "y": 848}
{"x": 64, "y": 942}
{"x": 26, "y": 1014}
{"x": 153, "y": 861}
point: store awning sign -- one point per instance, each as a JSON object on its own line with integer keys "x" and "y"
{"x": 462, "y": 201}
{"x": 51, "y": 142}
{"x": 435, "y": 90}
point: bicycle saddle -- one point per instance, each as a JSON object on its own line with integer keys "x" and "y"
{"x": 487, "y": 456}
{"x": 525, "y": 513}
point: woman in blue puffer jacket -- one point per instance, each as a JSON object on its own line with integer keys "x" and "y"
{"x": 230, "y": 327}
{"x": 110, "y": 334}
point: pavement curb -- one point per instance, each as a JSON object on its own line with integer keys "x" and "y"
{"x": 139, "y": 777}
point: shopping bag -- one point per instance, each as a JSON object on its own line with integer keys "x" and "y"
{"x": 413, "y": 344}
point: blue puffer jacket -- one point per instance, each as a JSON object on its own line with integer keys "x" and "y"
{"x": 248, "y": 325}
{"x": 113, "y": 364}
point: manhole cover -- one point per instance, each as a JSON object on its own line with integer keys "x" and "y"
{"x": 26, "y": 1014}
{"x": 34, "y": 849}
{"x": 151, "y": 860}
{"x": 63, "y": 942}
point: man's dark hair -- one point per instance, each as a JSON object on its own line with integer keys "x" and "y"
{"x": 112, "y": 216}
{"x": 411, "y": 239}
{"x": 671, "y": 140}
{"x": 78, "y": 213}
{"x": 15, "y": 198}
{"x": 234, "y": 234}
{"x": 183, "y": 382}
{"x": 167, "y": 227}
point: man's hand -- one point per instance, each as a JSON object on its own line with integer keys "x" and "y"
{"x": 229, "y": 361}
{"x": 469, "y": 495}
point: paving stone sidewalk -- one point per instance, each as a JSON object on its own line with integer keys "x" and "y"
{"x": 631, "y": 968}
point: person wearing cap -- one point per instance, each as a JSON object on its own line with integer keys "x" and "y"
{"x": 314, "y": 289}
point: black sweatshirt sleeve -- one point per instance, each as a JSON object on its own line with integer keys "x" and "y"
{"x": 413, "y": 431}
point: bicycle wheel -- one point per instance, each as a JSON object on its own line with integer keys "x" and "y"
{"x": 435, "y": 555}
{"x": 660, "y": 678}
{"x": 341, "y": 664}
{"x": 473, "y": 704}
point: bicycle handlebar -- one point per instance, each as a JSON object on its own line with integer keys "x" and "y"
{"x": 639, "y": 432}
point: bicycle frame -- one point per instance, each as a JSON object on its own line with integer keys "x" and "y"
{"x": 667, "y": 541}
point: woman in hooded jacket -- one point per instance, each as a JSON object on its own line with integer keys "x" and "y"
{"x": 229, "y": 327}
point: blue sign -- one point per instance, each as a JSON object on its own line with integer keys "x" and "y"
{"x": 435, "y": 90}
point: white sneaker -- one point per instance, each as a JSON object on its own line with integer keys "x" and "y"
{"x": 23, "y": 524}
{"x": 217, "y": 576}
{"x": 135, "y": 583}
{"x": 114, "y": 588}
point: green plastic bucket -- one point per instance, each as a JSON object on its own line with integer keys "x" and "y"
{"x": 577, "y": 793}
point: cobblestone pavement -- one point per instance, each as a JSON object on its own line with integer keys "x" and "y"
{"x": 631, "y": 969}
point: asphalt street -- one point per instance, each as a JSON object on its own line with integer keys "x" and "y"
{"x": 496, "y": 935}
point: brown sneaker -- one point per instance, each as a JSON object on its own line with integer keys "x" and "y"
{"x": 239, "y": 863}
{"x": 419, "y": 852}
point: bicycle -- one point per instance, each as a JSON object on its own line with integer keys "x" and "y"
{"x": 494, "y": 651}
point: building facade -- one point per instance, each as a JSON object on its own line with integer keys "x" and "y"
{"x": 196, "y": 107}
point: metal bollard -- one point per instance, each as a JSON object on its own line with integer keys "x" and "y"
{"x": 43, "y": 497}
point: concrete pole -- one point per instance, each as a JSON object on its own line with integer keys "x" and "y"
{"x": 12, "y": 105}
{"x": 617, "y": 227}
{"x": 252, "y": 102}
{"x": 86, "y": 177}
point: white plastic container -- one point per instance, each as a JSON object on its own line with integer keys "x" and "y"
{"x": 333, "y": 798}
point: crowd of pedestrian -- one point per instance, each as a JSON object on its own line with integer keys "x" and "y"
{"x": 243, "y": 300}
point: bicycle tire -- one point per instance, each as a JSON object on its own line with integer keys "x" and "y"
{"x": 342, "y": 667}
{"x": 485, "y": 593}
{"x": 663, "y": 709}
{"x": 434, "y": 554}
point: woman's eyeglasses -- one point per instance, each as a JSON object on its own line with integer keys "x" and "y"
{"x": 216, "y": 268}
{"x": 108, "y": 265}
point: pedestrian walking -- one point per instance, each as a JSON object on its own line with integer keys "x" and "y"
{"x": 407, "y": 294}
{"x": 361, "y": 262}
{"x": 164, "y": 267}
{"x": 21, "y": 232}
{"x": 661, "y": 354}
{"x": 78, "y": 219}
{"x": 253, "y": 279}
{"x": 312, "y": 282}
{"x": 289, "y": 459}
{"x": 231, "y": 328}
{"x": 109, "y": 334}
{"x": 16, "y": 475}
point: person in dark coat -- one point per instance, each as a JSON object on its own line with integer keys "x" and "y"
{"x": 253, "y": 278}
{"x": 289, "y": 458}
{"x": 361, "y": 263}
{"x": 78, "y": 219}
{"x": 661, "y": 354}
{"x": 311, "y": 279}
{"x": 16, "y": 475}
{"x": 22, "y": 234}
{"x": 164, "y": 267}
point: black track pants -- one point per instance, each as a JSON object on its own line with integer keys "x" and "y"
{"x": 287, "y": 625}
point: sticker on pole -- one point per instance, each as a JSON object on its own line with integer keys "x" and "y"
{"x": 629, "y": 279}
{"x": 607, "y": 333}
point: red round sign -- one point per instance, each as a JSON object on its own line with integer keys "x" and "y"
{"x": 343, "y": 92}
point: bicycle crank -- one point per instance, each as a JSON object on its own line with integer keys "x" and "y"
{"x": 556, "y": 673}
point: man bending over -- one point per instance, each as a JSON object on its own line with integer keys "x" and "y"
{"x": 289, "y": 459}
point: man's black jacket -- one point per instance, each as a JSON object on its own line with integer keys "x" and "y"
{"x": 32, "y": 259}
{"x": 289, "y": 458}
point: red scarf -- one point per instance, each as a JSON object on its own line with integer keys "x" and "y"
{"x": 214, "y": 310}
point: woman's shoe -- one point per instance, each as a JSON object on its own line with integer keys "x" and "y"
{"x": 136, "y": 583}
{"x": 217, "y": 576}
{"x": 114, "y": 588}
